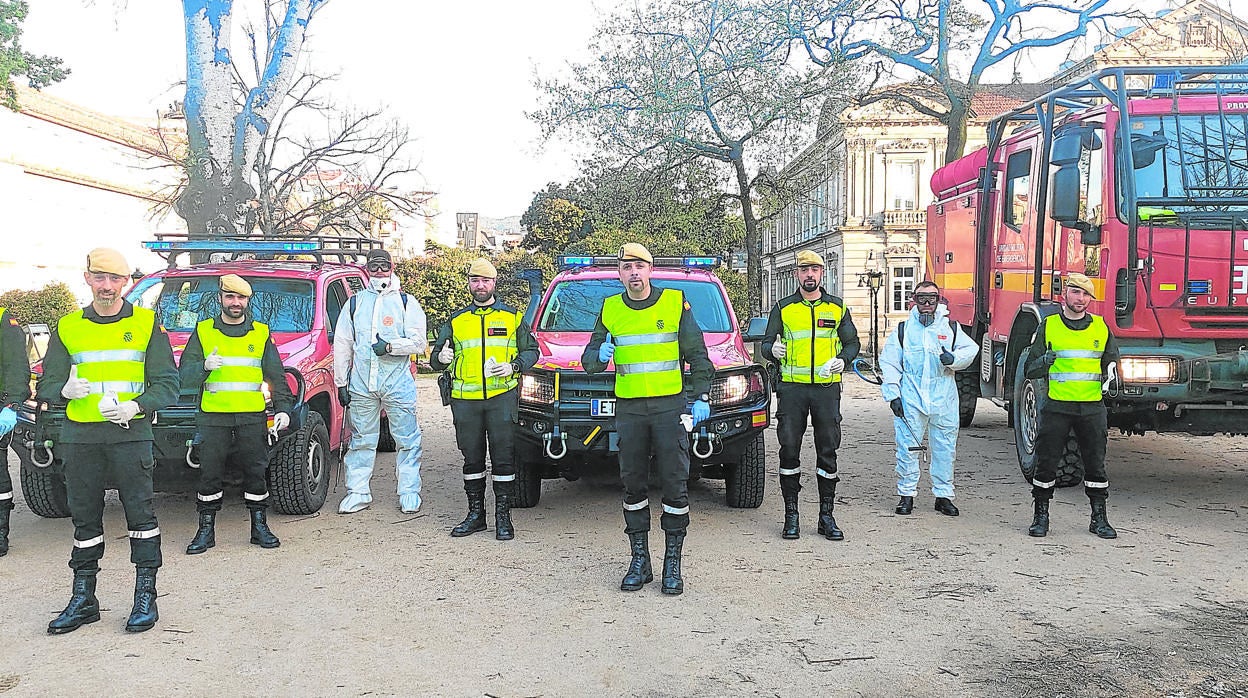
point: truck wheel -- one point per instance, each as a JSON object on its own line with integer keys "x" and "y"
{"x": 968, "y": 395}
{"x": 385, "y": 440}
{"x": 44, "y": 490}
{"x": 1029, "y": 397}
{"x": 299, "y": 469}
{"x": 528, "y": 484}
{"x": 746, "y": 480}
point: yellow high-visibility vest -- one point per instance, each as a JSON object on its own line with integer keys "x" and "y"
{"x": 810, "y": 341}
{"x": 109, "y": 355}
{"x": 1076, "y": 375}
{"x": 479, "y": 337}
{"x": 647, "y": 345}
{"x": 236, "y": 386}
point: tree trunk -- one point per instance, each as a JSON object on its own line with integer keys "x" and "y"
{"x": 955, "y": 121}
{"x": 753, "y": 241}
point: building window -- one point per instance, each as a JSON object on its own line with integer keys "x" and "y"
{"x": 903, "y": 183}
{"x": 832, "y": 273}
{"x": 902, "y": 286}
{"x": 1017, "y": 189}
{"x": 1197, "y": 35}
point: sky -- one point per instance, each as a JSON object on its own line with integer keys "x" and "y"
{"x": 458, "y": 74}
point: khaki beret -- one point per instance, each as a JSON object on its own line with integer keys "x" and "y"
{"x": 482, "y": 267}
{"x": 636, "y": 251}
{"x": 233, "y": 283}
{"x": 1082, "y": 282}
{"x": 806, "y": 258}
{"x": 107, "y": 261}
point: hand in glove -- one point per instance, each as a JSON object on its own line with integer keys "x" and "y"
{"x": 895, "y": 403}
{"x": 75, "y": 388}
{"x": 833, "y": 365}
{"x": 607, "y": 350}
{"x": 701, "y": 411}
{"x": 447, "y": 355}
{"x": 778, "y": 350}
{"x": 1050, "y": 357}
{"x": 381, "y": 347}
{"x": 498, "y": 370}
{"x": 946, "y": 357}
{"x": 344, "y": 396}
{"x": 281, "y": 420}
{"x": 119, "y": 413}
{"x": 8, "y": 420}
{"x": 213, "y": 361}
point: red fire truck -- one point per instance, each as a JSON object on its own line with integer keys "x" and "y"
{"x": 1137, "y": 177}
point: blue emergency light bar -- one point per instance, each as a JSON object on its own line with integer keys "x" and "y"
{"x": 691, "y": 262}
{"x": 240, "y": 246}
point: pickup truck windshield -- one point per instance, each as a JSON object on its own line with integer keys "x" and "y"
{"x": 285, "y": 305}
{"x": 574, "y": 305}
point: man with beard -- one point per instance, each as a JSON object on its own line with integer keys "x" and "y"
{"x": 14, "y": 390}
{"x": 1075, "y": 350}
{"x": 377, "y": 334}
{"x": 812, "y": 336}
{"x": 112, "y": 361}
{"x": 650, "y": 333}
{"x": 918, "y": 363}
{"x": 486, "y": 345}
{"x": 231, "y": 420}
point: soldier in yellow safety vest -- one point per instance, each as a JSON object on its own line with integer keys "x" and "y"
{"x": 232, "y": 421}
{"x": 650, "y": 333}
{"x": 1075, "y": 350}
{"x": 112, "y": 361}
{"x": 14, "y": 390}
{"x": 811, "y": 335}
{"x": 486, "y": 345}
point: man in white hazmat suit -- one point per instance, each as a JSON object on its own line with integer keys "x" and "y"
{"x": 377, "y": 333}
{"x": 917, "y": 364}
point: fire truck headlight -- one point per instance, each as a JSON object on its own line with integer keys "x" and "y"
{"x": 1148, "y": 369}
{"x": 537, "y": 388}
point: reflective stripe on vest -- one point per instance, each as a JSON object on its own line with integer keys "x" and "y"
{"x": 237, "y": 386}
{"x": 109, "y": 355}
{"x": 479, "y": 335}
{"x": 810, "y": 341}
{"x": 1076, "y": 374}
{"x": 647, "y": 362}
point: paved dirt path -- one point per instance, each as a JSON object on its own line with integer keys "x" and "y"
{"x": 380, "y": 603}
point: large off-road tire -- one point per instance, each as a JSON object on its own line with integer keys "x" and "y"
{"x": 528, "y": 484}
{"x": 299, "y": 470}
{"x": 385, "y": 440}
{"x": 44, "y": 490}
{"x": 744, "y": 482}
{"x": 1029, "y": 398}
{"x": 968, "y": 395}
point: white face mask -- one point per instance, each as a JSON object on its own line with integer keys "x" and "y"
{"x": 379, "y": 284}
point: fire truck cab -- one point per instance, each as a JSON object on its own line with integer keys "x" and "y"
{"x": 1138, "y": 178}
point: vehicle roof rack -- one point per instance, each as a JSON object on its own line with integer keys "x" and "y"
{"x": 687, "y": 262}
{"x": 343, "y": 248}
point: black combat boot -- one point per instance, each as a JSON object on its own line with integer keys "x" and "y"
{"x": 639, "y": 572}
{"x": 261, "y": 535}
{"x": 905, "y": 505}
{"x": 503, "y": 529}
{"x": 206, "y": 536}
{"x": 83, "y": 607}
{"x": 1100, "y": 524}
{"x": 791, "y": 528}
{"x": 475, "y": 521}
{"x": 673, "y": 583}
{"x": 143, "y": 616}
{"x": 5, "y": 508}
{"x": 1040, "y": 521}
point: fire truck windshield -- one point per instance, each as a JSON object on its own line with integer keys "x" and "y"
{"x": 1192, "y": 165}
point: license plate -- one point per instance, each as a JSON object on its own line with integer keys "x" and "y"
{"x": 601, "y": 408}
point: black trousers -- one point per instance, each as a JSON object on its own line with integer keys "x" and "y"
{"x": 661, "y": 438}
{"x": 6, "y": 481}
{"x": 127, "y": 465}
{"x": 478, "y": 422}
{"x": 1091, "y": 433}
{"x": 245, "y": 445}
{"x": 822, "y": 404}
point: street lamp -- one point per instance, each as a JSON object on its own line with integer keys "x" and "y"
{"x": 873, "y": 279}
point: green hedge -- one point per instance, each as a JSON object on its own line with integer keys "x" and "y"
{"x": 46, "y": 305}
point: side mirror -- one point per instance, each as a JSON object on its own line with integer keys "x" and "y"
{"x": 1064, "y": 199}
{"x": 756, "y": 330}
{"x": 1144, "y": 148}
{"x": 1090, "y": 235}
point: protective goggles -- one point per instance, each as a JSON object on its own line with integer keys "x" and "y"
{"x": 926, "y": 298}
{"x": 379, "y": 266}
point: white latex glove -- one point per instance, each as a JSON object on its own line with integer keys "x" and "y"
{"x": 447, "y": 355}
{"x": 281, "y": 420}
{"x": 1112, "y": 378}
{"x": 778, "y": 350}
{"x": 833, "y": 365}
{"x": 499, "y": 370}
{"x": 119, "y": 413}
{"x": 212, "y": 362}
{"x": 75, "y": 388}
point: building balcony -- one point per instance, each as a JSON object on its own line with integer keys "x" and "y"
{"x": 908, "y": 218}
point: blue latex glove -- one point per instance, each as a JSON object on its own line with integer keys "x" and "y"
{"x": 701, "y": 411}
{"x": 946, "y": 357}
{"x": 607, "y": 350}
{"x": 381, "y": 347}
{"x": 8, "y": 420}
